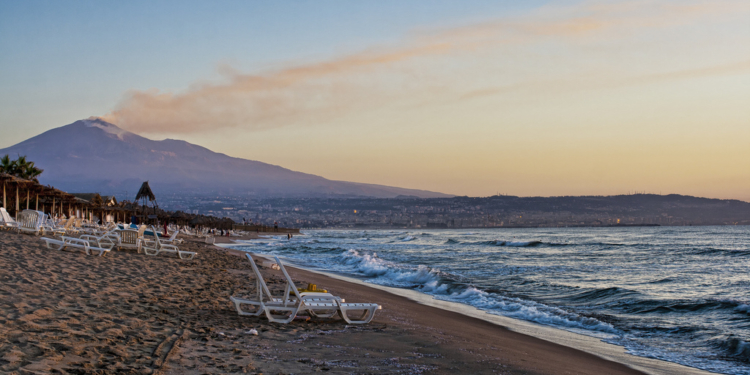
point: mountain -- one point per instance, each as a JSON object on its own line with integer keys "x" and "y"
{"x": 96, "y": 156}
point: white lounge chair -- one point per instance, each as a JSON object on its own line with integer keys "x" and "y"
{"x": 286, "y": 308}
{"x": 156, "y": 246}
{"x": 172, "y": 239}
{"x": 65, "y": 242}
{"x": 6, "y": 221}
{"x": 130, "y": 239}
{"x": 30, "y": 221}
{"x": 48, "y": 225}
{"x": 67, "y": 228}
{"x": 367, "y": 309}
{"x": 109, "y": 239}
{"x": 282, "y": 309}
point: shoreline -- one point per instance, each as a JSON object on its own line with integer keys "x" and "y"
{"x": 588, "y": 344}
{"x": 555, "y": 335}
{"x": 495, "y": 347}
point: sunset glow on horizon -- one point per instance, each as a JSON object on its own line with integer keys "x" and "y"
{"x": 465, "y": 98}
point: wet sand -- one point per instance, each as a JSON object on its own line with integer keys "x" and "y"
{"x": 127, "y": 313}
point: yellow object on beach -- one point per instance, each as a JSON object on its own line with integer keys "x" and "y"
{"x": 311, "y": 288}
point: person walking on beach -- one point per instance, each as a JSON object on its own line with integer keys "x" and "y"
{"x": 275, "y": 226}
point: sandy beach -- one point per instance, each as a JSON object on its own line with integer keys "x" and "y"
{"x": 127, "y": 313}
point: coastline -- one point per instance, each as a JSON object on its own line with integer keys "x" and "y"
{"x": 549, "y": 334}
{"x": 66, "y": 312}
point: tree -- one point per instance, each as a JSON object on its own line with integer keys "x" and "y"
{"x": 20, "y": 168}
{"x": 97, "y": 201}
{"x": 7, "y": 166}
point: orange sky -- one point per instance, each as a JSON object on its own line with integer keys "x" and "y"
{"x": 564, "y": 99}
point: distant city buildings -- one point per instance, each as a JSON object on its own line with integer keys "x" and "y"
{"x": 466, "y": 212}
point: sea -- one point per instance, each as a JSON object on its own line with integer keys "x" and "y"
{"x": 679, "y": 294}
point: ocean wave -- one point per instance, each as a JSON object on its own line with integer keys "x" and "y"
{"x": 743, "y": 308}
{"x": 528, "y": 310}
{"x": 662, "y": 281}
{"x": 432, "y": 281}
{"x": 603, "y": 295}
{"x": 651, "y": 306}
{"x": 734, "y": 347}
{"x": 451, "y": 241}
{"x": 407, "y": 239}
{"x": 513, "y": 243}
{"x": 723, "y": 252}
{"x": 389, "y": 273}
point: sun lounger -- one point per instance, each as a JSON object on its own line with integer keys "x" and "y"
{"x": 173, "y": 239}
{"x": 367, "y": 309}
{"x": 110, "y": 239}
{"x": 30, "y": 221}
{"x": 68, "y": 228}
{"x": 285, "y": 308}
{"x": 6, "y": 221}
{"x": 156, "y": 246}
{"x": 65, "y": 242}
{"x": 130, "y": 239}
{"x": 48, "y": 225}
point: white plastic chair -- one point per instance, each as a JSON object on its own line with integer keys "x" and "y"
{"x": 155, "y": 247}
{"x": 65, "y": 242}
{"x": 367, "y": 309}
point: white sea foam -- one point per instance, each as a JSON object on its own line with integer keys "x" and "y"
{"x": 388, "y": 273}
{"x": 427, "y": 280}
{"x": 743, "y": 308}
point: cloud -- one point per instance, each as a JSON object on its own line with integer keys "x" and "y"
{"x": 611, "y": 82}
{"x": 320, "y": 91}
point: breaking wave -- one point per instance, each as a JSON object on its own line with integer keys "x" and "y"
{"x": 442, "y": 286}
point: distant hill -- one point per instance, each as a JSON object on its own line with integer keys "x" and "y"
{"x": 507, "y": 211}
{"x": 95, "y": 156}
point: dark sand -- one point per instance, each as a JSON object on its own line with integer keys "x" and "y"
{"x": 127, "y": 313}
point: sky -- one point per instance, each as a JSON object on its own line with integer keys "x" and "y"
{"x": 532, "y": 98}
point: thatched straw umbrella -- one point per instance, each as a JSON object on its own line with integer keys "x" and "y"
{"x": 8, "y": 179}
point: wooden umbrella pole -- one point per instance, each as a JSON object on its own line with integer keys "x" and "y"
{"x": 18, "y": 206}
{"x": 5, "y": 206}
{"x": 37, "y": 201}
{"x": 27, "y": 199}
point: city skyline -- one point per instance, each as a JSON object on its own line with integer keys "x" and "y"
{"x": 478, "y": 98}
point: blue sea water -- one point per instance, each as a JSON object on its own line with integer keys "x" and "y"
{"x": 678, "y": 294}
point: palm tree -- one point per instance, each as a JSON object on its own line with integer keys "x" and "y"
{"x": 31, "y": 172}
{"x": 7, "y": 166}
{"x": 26, "y": 169}
{"x": 20, "y": 168}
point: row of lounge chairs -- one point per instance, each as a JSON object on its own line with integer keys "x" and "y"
{"x": 102, "y": 239}
{"x": 285, "y": 308}
{"x": 76, "y": 233}
{"x": 122, "y": 239}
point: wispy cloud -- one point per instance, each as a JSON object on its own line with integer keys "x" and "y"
{"x": 319, "y": 91}
{"x": 611, "y": 82}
